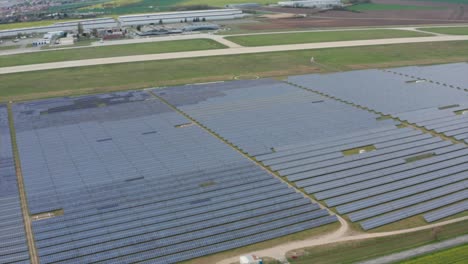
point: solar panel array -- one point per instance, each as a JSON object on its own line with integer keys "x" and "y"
{"x": 382, "y": 91}
{"x": 260, "y": 116}
{"x": 138, "y": 183}
{"x": 13, "y": 245}
{"x": 452, "y": 75}
{"x": 452, "y": 121}
{"x": 381, "y": 186}
{"x": 432, "y": 97}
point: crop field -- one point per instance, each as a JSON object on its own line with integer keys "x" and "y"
{"x": 109, "y": 51}
{"x": 384, "y": 7}
{"x": 457, "y": 255}
{"x": 356, "y": 251}
{"x": 105, "y": 78}
{"x": 448, "y": 30}
{"x": 312, "y": 37}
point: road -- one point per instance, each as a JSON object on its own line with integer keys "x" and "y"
{"x": 221, "y": 52}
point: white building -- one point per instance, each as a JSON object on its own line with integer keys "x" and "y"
{"x": 88, "y": 24}
{"x": 175, "y": 17}
{"x": 322, "y": 4}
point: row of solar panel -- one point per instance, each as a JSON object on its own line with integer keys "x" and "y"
{"x": 80, "y": 200}
{"x": 397, "y": 157}
{"x": 448, "y": 75}
{"x": 249, "y": 117}
{"x": 142, "y": 205}
{"x": 181, "y": 226}
{"x": 336, "y": 151}
{"x": 394, "y": 94}
{"x": 166, "y": 192}
{"x": 414, "y": 210}
{"x": 13, "y": 245}
{"x": 372, "y": 179}
{"x": 446, "y": 211}
{"x": 450, "y": 124}
{"x": 370, "y": 184}
{"x": 156, "y": 240}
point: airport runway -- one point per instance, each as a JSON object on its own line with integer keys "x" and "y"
{"x": 222, "y": 52}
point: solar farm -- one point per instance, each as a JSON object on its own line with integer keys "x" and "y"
{"x": 165, "y": 175}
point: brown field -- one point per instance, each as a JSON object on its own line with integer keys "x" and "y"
{"x": 444, "y": 13}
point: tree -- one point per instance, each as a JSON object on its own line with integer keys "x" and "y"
{"x": 80, "y": 29}
{"x": 139, "y": 28}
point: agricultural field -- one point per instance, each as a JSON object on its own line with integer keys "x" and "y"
{"x": 448, "y": 30}
{"x": 457, "y": 255}
{"x": 141, "y": 75}
{"x": 444, "y": 1}
{"x": 352, "y": 252}
{"x": 108, "y": 51}
{"x": 313, "y": 37}
{"x": 385, "y": 7}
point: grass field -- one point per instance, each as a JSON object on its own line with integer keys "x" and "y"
{"x": 457, "y": 255}
{"x": 109, "y": 51}
{"x": 386, "y": 7}
{"x": 29, "y": 24}
{"x": 95, "y": 79}
{"x": 446, "y": 1}
{"x": 312, "y": 37}
{"x": 9, "y": 47}
{"x": 355, "y": 251}
{"x": 448, "y": 30}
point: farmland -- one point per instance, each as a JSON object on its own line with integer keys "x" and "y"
{"x": 351, "y": 252}
{"x": 385, "y": 7}
{"x": 108, "y": 51}
{"x": 453, "y": 255}
{"x": 314, "y": 37}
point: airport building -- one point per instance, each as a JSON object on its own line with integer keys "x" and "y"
{"x": 88, "y": 24}
{"x": 323, "y": 4}
{"x": 175, "y": 17}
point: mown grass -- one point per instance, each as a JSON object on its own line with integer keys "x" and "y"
{"x": 112, "y": 77}
{"x": 360, "y": 250}
{"x": 447, "y": 30}
{"x": 386, "y": 7}
{"x": 448, "y": 256}
{"x": 109, "y": 51}
{"x": 314, "y": 37}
